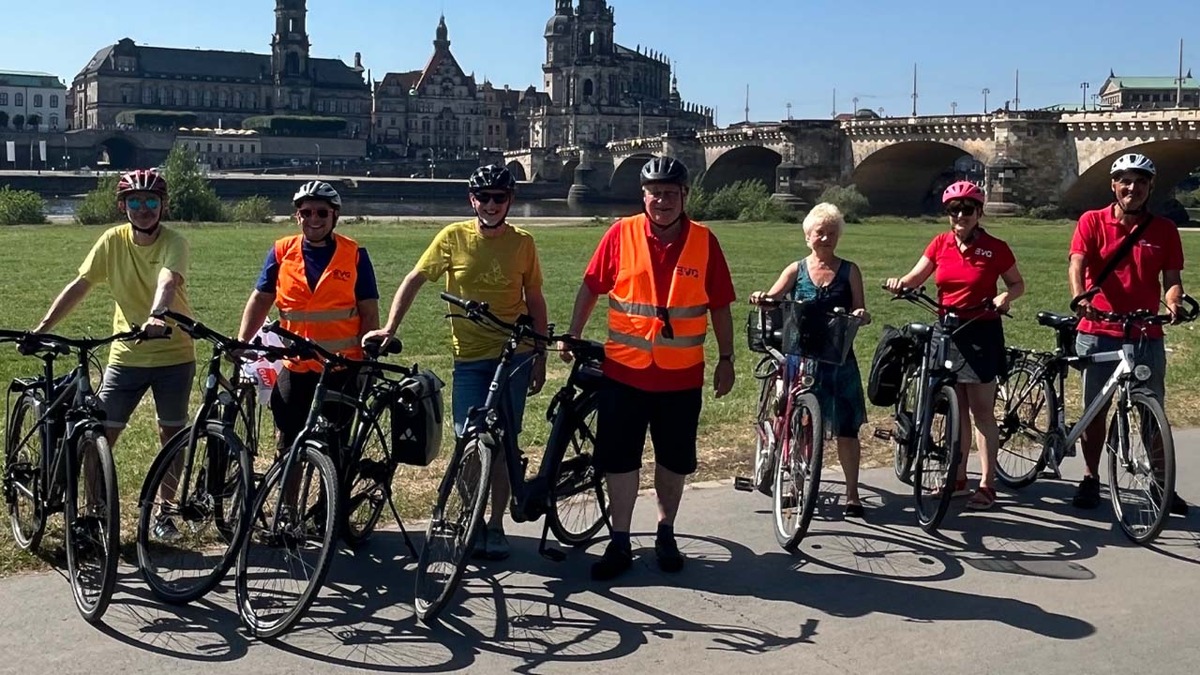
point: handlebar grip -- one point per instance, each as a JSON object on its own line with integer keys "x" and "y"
{"x": 1086, "y": 295}
{"x": 1193, "y": 308}
{"x": 372, "y": 347}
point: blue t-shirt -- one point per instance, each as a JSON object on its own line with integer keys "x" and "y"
{"x": 316, "y": 259}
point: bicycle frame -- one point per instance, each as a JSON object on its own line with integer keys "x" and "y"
{"x": 1119, "y": 381}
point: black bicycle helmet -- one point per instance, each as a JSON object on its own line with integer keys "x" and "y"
{"x": 664, "y": 170}
{"x": 492, "y": 177}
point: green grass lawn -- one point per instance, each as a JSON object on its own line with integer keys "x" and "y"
{"x": 35, "y": 263}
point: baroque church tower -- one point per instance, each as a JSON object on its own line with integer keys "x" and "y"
{"x": 289, "y": 55}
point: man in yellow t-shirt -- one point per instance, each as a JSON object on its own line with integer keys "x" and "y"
{"x": 144, "y": 265}
{"x": 487, "y": 260}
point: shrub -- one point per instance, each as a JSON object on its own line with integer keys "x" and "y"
{"x": 697, "y": 202}
{"x": 853, "y": 205}
{"x": 157, "y": 119}
{"x": 191, "y": 196}
{"x": 769, "y": 210}
{"x": 296, "y": 125}
{"x": 99, "y": 206}
{"x": 255, "y": 209}
{"x": 21, "y": 207}
{"x": 1046, "y": 212}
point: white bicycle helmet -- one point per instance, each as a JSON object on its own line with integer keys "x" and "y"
{"x": 318, "y": 189}
{"x": 1132, "y": 162}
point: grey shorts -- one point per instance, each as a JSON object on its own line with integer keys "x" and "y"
{"x": 1151, "y": 353}
{"x": 124, "y": 386}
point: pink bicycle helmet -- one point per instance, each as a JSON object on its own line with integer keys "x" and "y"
{"x": 141, "y": 180}
{"x": 963, "y": 189}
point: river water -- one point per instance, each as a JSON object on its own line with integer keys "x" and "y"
{"x": 520, "y": 209}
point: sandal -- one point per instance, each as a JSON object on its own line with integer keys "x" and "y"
{"x": 854, "y": 511}
{"x": 983, "y": 499}
{"x": 960, "y": 489}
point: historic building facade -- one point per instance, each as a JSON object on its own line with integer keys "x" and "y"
{"x": 1149, "y": 92}
{"x": 29, "y": 100}
{"x": 224, "y": 88}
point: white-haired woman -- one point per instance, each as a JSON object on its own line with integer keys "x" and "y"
{"x": 824, "y": 278}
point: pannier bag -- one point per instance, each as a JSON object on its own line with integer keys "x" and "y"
{"x": 763, "y": 327}
{"x": 892, "y": 357}
{"x": 417, "y": 419}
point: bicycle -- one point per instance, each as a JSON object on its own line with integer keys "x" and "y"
{"x": 192, "y": 503}
{"x": 286, "y": 516}
{"x": 927, "y": 446}
{"x": 561, "y": 485}
{"x": 1152, "y": 473}
{"x": 57, "y": 455}
{"x": 790, "y": 430}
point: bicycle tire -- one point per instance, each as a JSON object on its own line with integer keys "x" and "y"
{"x": 806, "y": 450}
{"x": 265, "y": 535}
{"x": 904, "y": 431}
{"x": 96, "y": 533}
{"x": 936, "y": 466}
{"x": 1160, "y": 488}
{"x": 572, "y": 434}
{"x": 23, "y": 473}
{"x": 210, "y": 526}
{"x": 369, "y": 479}
{"x": 467, "y": 477}
{"x": 764, "y": 431}
{"x": 1023, "y": 433}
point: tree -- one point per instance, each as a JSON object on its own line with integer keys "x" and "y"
{"x": 157, "y": 119}
{"x": 295, "y": 125}
{"x": 34, "y": 121}
{"x": 18, "y": 122}
{"x": 3, "y": 120}
{"x": 191, "y": 197}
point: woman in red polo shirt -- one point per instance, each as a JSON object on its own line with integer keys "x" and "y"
{"x": 967, "y": 262}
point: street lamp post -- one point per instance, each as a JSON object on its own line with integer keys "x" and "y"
{"x": 66, "y": 154}
{"x": 854, "y": 102}
{"x": 954, "y": 107}
{"x": 1084, "y": 86}
{"x": 318, "y": 159}
{"x": 986, "y": 91}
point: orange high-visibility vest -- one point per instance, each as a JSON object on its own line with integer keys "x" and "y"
{"x": 328, "y": 314}
{"x": 636, "y": 322}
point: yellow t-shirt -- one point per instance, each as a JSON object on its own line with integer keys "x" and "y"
{"x": 496, "y": 271}
{"x": 131, "y": 272}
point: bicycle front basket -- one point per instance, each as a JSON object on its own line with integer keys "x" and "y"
{"x": 810, "y": 331}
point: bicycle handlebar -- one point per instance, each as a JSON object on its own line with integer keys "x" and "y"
{"x": 918, "y": 297}
{"x": 479, "y": 313}
{"x": 224, "y": 343}
{"x": 765, "y": 302}
{"x": 306, "y": 348}
{"x": 1191, "y": 313}
{"x": 30, "y": 343}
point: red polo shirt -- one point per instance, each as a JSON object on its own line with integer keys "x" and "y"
{"x": 601, "y": 275}
{"x": 968, "y": 278}
{"x": 1136, "y": 282}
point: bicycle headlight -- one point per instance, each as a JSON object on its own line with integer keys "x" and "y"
{"x": 1141, "y": 372}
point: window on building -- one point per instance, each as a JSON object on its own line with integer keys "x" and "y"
{"x": 54, "y": 121}
{"x": 209, "y": 147}
{"x": 37, "y": 100}
{"x": 3, "y": 98}
{"x": 222, "y": 99}
{"x": 197, "y": 146}
{"x": 19, "y": 100}
{"x": 207, "y": 99}
{"x": 241, "y": 147}
{"x": 253, "y": 149}
{"x": 321, "y": 105}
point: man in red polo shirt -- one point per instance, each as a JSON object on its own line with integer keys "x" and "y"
{"x": 1133, "y": 285}
{"x": 664, "y": 275}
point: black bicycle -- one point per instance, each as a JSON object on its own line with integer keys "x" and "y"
{"x": 566, "y": 489}
{"x": 57, "y": 459}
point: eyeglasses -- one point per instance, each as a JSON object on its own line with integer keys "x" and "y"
{"x": 134, "y": 204}
{"x": 308, "y": 213}
{"x": 961, "y": 210}
{"x": 497, "y": 197}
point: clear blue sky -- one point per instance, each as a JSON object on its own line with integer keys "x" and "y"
{"x": 794, "y": 51}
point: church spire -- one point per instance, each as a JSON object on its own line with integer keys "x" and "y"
{"x": 442, "y": 42}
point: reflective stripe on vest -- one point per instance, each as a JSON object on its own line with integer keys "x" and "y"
{"x": 640, "y": 331}
{"x": 327, "y": 314}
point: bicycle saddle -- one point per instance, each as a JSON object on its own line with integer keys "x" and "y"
{"x": 1057, "y": 321}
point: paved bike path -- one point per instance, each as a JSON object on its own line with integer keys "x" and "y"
{"x": 1033, "y": 586}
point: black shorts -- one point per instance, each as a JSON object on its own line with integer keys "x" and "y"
{"x": 625, "y": 413}
{"x": 977, "y": 351}
{"x": 292, "y": 398}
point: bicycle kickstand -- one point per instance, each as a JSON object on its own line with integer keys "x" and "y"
{"x": 549, "y": 552}
{"x": 399, "y": 521}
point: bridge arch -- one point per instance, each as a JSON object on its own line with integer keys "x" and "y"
{"x": 748, "y": 162}
{"x": 626, "y": 180}
{"x": 517, "y": 170}
{"x": 119, "y": 152}
{"x": 905, "y": 178}
{"x": 1174, "y": 160}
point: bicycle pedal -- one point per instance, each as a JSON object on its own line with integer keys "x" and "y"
{"x": 882, "y": 434}
{"x": 743, "y": 484}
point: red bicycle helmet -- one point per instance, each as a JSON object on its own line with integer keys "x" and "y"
{"x": 963, "y": 189}
{"x": 142, "y": 180}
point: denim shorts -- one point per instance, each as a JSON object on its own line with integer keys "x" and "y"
{"x": 124, "y": 386}
{"x": 1149, "y": 352}
{"x": 471, "y": 382}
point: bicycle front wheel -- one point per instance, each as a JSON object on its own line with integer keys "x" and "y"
{"x": 936, "y": 466}
{"x": 456, "y": 516}
{"x": 186, "y": 547}
{"x": 288, "y": 546}
{"x": 1141, "y": 467}
{"x": 92, "y": 525}
{"x": 1024, "y": 406}
{"x": 579, "y": 505}
{"x": 23, "y": 457}
{"x": 798, "y": 472}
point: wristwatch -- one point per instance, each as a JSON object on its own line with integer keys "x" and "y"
{"x": 725, "y": 357}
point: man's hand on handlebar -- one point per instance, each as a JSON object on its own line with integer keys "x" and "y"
{"x": 895, "y": 285}
{"x": 380, "y": 336}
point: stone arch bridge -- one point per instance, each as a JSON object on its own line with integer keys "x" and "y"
{"x": 1023, "y": 159}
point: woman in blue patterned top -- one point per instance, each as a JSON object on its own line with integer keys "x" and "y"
{"x": 832, "y": 283}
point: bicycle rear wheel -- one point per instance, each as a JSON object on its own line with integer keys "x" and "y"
{"x": 936, "y": 467}
{"x": 92, "y": 525}
{"x": 23, "y": 457}
{"x": 904, "y": 431}
{"x": 456, "y": 516}
{"x": 288, "y": 546}
{"x": 186, "y": 548}
{"x": 1024, "y": 406}
{"x": 579, "y": 505}
{"x": 369, "y": 479}
{"x": 798, "y": 476}
{"x": 1141, "y": 468}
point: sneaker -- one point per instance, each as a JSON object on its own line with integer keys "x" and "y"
{"x": 496, "y": 545}
{"x": 1178, "y": 506}
{"x": 165, "y": 530}
{"x": 615, "y": 562}
{"x": 670, "y": 560}
{"x": 1087, "y": 495}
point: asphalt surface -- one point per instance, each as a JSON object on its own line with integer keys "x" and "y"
{"x": 1033, "y": 586}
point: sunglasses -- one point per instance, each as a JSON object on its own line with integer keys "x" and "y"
{"x": 497, "y": 197}
{"x": 308, "y": 213}
{"x": 135, "y": 204}
{"x": 961, "y": 210}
